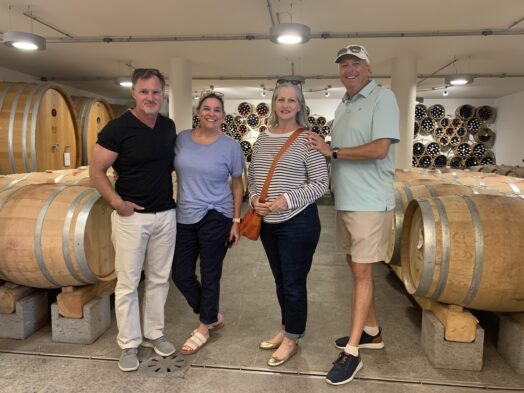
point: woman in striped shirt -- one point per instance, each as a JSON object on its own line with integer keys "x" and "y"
{"x": 291, "y": 226}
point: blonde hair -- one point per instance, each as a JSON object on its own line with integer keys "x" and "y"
{"x": 301, "y": 116}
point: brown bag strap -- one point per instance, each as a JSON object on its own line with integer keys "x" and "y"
{"x": 280, "y": 153}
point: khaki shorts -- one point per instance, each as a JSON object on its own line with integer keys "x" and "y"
{"x": 364, "y": 235}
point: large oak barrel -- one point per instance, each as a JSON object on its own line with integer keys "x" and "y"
{"x": 405, "y": 193}
{"x": 118, "y": 109}
{"x": 465, "y": 250}
{"x": 53, "y": 235}
{"x": 504, "y": 184}
{"x": 92, "y": 115}
{"x": 413, "y": 173}
{"x": 78, "y": 177}
{"x": 518, "y": 171}
{"x": 37, "y": 128}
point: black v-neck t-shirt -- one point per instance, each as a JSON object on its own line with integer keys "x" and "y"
{"x": 145, "y": 160}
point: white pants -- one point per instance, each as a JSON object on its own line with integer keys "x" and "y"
{"x": 142, "y": 240}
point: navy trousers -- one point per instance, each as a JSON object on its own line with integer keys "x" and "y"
{"x": 205, "y": 239}
{"x": 289, "y": 248}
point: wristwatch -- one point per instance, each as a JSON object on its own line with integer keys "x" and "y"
{"x": 236, "y": 220}
{"x": 334, "y": 152}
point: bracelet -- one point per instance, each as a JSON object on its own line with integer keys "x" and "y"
{"x": 236, "y": 220}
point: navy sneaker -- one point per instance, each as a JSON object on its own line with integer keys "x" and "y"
{"x": 366, "y": 341}
{"x": 344, "y": 369}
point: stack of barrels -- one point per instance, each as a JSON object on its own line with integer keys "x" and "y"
{"x": 456, "y": 238}
{"x": 462, "y": 141}
{"x": 55, "y": 228}
{"x": 43, "y": 128}
{"x": 506, "y": 170}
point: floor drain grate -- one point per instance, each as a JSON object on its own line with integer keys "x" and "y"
{"x": 173, "y": 365}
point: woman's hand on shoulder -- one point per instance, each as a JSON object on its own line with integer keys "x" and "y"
{"x": 316, "y": 142}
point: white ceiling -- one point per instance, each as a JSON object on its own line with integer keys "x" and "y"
{"x": 239, "y": 66}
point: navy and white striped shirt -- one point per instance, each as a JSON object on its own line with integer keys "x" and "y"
{"x": 301, "y": 176}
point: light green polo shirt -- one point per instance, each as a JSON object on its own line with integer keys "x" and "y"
{"x": 365, "y": 185}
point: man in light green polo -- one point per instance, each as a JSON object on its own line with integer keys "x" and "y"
{"x": 365, "y": 128}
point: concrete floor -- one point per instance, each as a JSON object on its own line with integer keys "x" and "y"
{"x": 232, "y": 362}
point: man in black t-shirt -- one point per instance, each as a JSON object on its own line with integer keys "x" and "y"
{"x": 140, "y": 145}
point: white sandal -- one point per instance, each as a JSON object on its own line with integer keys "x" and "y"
{"x": 196, "y": 341}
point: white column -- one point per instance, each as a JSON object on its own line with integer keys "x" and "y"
{"x": 180, "y": 93}
{"x": 404, "y": 85}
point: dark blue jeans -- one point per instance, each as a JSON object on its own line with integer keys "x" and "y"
{"x": 205, "y": 239}
{"x": 289, "y": 248}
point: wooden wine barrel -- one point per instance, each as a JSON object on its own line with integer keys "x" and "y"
{"x": 488, "y": 159}
{"x": 78, "y": 177}
{"x": 262, "y": 109}
{"x": 475, "y": 180}
{"x": 425, "y": 161}
{"x": 53, "y": 235}
{"x": 488, "y": 168}
{"x": 421, "y": 111}
{"x": 465, "y": 250}
{"x": 427, "y": 126}
{"x": 412, "y": 173}
{"x": 440, "y": 161}
{"x": 486, "y": 136}
{"x": 405, "y": 193}
{"x": 253, "y": 120}
{"x": 118, "y": 109}
{"x": 11, "y": 183}
{"x": 37, "y": 128}
{"x": 518, "y": 171}
{"x": 505, "y": 170}
{"x": 465, "y": 112}
{"x": 436, "y": 112}
{"x": 245, "y": 109}
{"x": 486, "y": 113}
{"x": 92, "y": 115}
{"x": 504, "y": 184}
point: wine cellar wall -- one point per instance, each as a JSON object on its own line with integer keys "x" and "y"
{"x": 462, "y": 140}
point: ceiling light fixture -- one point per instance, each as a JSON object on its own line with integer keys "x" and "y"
{"x": 24, "y": 41}
{"x": 289, "y": 33}
{"x": 459, "y": 79}
{"x": 124, "y": 81}
{"x": 445, "y": 93}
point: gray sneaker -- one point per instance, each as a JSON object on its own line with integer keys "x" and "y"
{"x": 128, "y": 359}
{"x": 161, "y": 346}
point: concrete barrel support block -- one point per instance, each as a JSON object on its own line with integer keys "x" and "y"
{"x": 31, "y": 313}
{"x": 447, "y": 354}
{"x": 96, "y": 320}
{"x": 511, "y": 343}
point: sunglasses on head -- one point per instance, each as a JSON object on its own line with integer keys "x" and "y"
{"x": 207, "y": 94}
{"x": 351, "y": 49}
{"x": 295, "y": 82}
